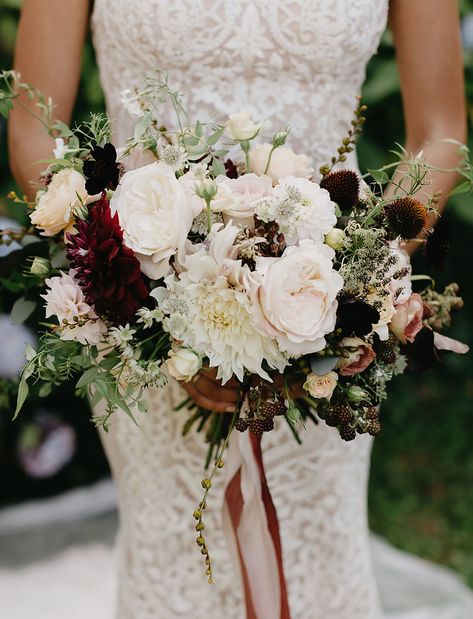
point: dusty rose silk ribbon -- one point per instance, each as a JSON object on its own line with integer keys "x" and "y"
{"x": 252, "y": 530}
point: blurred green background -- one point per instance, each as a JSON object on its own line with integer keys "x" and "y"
{"x": 421, "y": 491}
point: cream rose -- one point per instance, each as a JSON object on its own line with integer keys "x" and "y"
{"x": 236, "y": 197}
{"x": 407, "y": 320}
{"x": 359, "y": 358}
{"x": 53, "y": 213}
{"x": 284, "y": 162}
{"x": 321, "y": 386}
{"x": 295, "y": 297}
{"x": 183, "y": 364}
{"x": 155, "y": 211}
{"x": 240, "y": 127}
{"x": 65, "y": 300}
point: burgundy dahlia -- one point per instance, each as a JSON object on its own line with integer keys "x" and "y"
{"x": 107, "y": 270}
{"x": 102, "y": 171}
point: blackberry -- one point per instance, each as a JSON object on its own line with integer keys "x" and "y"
{"x": 331, "y": 420}
{"x": 241, "y": 424}
{"x": 372, "y": 413}
{"x": 387, "y": 355}
{"x": 257, "y": 426}
{"x": 344, "y": 414}
{"x": 374, "y": 428}
{"x": 347, "y": 433}
{"x": 253, "y": 394}
{"x": 268, "y": 425}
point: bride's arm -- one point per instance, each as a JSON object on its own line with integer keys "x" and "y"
{"x": 429, "y": 53}
{"x": 48, "y": 55}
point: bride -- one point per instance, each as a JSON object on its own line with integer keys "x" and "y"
{"x": 284, "y": 60}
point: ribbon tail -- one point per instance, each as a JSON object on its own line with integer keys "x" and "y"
{"x": 252, "y": 530}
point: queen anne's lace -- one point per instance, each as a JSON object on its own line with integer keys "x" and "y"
{"x": 288, "y": 61}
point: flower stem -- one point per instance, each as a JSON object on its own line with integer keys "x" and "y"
{"x": 273, "y": 148}
{"x": 209, "y": 215}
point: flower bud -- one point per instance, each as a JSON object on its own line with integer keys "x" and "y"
{"x": 357, "y": 394}
{"x": 40, "y": 266}
{"x": 280, "y": 137}
{"x": 183, "y": 364}
{"x": 206, "y": 189}
{"x": 336, "y": 239}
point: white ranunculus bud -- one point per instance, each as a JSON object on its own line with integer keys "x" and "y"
{"x": 321, "y": 386}
{"x": 240, "y": 127}
{"x": 357, "y": 394}
{"x": 206, "y": 189}
{"x": 40, "y": 266}
{"x": 183, "y": 363}
{"x": 280, "y": 138}
{"x": 336, "y": 239}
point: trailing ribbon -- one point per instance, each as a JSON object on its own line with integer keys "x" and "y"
{"x": 252, "y": 530}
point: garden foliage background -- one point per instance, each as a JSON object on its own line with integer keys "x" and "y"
{"x": 421, "y": 491}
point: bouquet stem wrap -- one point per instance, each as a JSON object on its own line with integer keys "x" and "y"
{"x": 252, "y": 530}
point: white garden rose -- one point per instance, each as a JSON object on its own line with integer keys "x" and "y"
{"x": 321, "y": 386}
{"x": 53, "y": 213}
{"x": 65, "y": 300}
{"x": 240, "y": 127}
{"x": 295, "y": 297}
{"x": 155, "y": 211}
{"x": 237, "y": 197}
{"x": 183, "y": 363}
{"x": 284, "y": 162}
{"x": 301, "y": 208}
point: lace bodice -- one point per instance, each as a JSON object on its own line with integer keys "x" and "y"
{"x": 300, "y": 62}
{"x": 288, "y": 61}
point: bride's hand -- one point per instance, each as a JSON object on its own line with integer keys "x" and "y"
{"x": 208, "y": 392}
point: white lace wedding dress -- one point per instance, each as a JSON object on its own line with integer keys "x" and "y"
{"x": 289, "y": 61}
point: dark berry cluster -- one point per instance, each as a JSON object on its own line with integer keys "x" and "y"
{"x": 351, "y": 419}
{"x": 263, "y": 406}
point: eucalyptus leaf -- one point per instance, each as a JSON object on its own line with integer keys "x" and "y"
{"x": 217, "y": 167}
{"x": 87, "y": 377}
{"x": 23, "y": 391}
{"x": 45, "y": 390}
{"x": 214, "y": 137}
{"x": 22, "y": 310}
{"x": 30, "y": 352}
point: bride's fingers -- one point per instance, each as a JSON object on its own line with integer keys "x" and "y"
{"x": 205, "y": 401}
{"x": 215, "y": 390}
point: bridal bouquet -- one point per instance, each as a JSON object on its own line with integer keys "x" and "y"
{"x": 202, "y": 247}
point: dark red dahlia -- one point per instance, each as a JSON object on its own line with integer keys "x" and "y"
{"x": 107, "y": 270}
{"x": 102, "y": 171}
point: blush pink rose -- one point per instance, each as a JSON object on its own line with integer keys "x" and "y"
{"x": 407, "y": 320}
{"x": 359, "y": 359}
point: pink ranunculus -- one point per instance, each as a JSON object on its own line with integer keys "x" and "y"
{"x": 359, "y": 359}
{"x": 407, "y": 320}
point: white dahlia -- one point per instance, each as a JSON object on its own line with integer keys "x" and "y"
{"x": 218, "y": 310}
